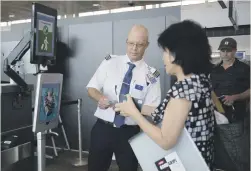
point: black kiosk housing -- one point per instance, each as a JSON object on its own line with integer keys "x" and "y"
{"x": 43, "y": 26}
{"x": 40, "y": 14}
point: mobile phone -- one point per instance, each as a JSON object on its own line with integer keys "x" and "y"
{"x": 112, "y": 102}
{"x": 138, "y": 102}
{"x": 221, "y": 97}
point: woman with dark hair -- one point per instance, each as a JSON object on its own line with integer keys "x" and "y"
{"x": 187, "y": 55}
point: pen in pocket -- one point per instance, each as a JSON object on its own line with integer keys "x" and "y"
{"x": 116, "y": 90}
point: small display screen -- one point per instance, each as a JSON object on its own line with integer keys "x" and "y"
{"x": 49, "y": 102}
{"x": 45, "y": 35}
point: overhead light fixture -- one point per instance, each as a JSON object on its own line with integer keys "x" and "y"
{"x": 85, "y": 14}
{"x": 170, "y": 4}
{"x": 11, "y": 15}
{"x": 3, "y": 24}
{"x": 20, "y": 21}
{"x": 190, "y": 2}
{"x": 101, "y": 12}
{"x": 127, "y": 9}
{"x": 149, "y": 6}
{"x": 96, "y": 5}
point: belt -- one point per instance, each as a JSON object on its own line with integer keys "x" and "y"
{"x": 105, "y": 122}
{"x": 112, "y": 124}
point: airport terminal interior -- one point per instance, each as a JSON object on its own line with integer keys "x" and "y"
{"x": 52, "y": 50}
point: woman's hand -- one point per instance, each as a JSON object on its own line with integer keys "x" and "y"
{"x": 127, "y": 108}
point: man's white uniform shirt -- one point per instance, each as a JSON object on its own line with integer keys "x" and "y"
{"x": 108, "y": 79}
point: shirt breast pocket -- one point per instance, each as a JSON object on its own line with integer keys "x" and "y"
{"x": 138, "y": 90}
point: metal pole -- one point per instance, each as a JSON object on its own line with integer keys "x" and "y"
{"x": 79, "y": 129}
{"x": 64, "y": 134}
{"x": 80, "y": 160}
{"x": 54, "y": 146}
{"x": 41, "y": 151}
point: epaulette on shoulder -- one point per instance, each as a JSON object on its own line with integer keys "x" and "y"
{"x": 108, "y": 57}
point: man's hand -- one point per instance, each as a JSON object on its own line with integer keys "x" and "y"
{"x": 229, "y": 100}
{"x": 127, "y": 108}
{"x": 103, "y": 103}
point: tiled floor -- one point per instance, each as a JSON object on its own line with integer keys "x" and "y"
{"x": 65, "y": 160}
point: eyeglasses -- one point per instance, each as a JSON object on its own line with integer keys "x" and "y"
{"x": 138, "y": 45}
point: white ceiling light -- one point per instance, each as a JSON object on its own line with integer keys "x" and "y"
{"x": 3, "y": 24}
{"x": 96, "y": 5}
{"x": 101, "y": 12}
{"x": 127, "y": 9}
{"x": 149, "y": 6}
{"x": 184, "y": 2}
{"x": 19, "y": 21}
{"x": 85, "y": 14}
{"x": 190, "y": 2}
{"x": 11, "y": 15}
{"x": 138, "y": 8}
{"x": 170, "y": 4}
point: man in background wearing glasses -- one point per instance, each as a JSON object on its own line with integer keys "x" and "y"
{"x": 116, "y": 77}
{"x": 231, "y": 82}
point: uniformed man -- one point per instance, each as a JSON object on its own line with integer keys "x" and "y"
{"x": 231, "y": 81}
{"x": 116, "y": 77}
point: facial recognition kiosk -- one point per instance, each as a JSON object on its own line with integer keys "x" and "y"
{"x": 49, "y": 86}
{"x": 46, "y": 110}
{"x": 41, "y": 41}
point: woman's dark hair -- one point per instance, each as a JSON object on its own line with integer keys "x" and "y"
{"x": 188, "y": 43}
